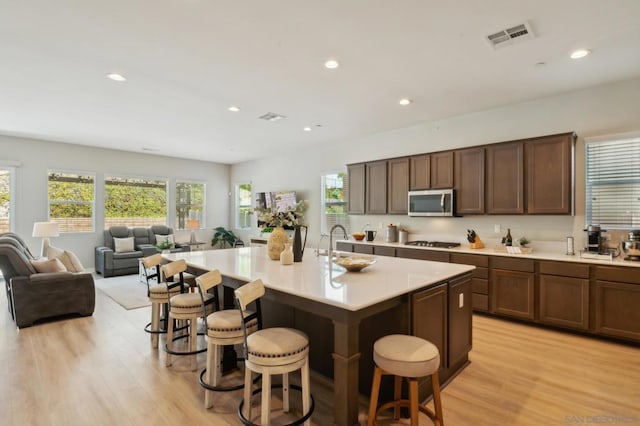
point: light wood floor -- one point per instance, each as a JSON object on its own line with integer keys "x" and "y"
{"x": 101, "y": 370}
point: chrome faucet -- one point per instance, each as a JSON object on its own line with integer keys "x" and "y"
{"x": 346, "y": 237}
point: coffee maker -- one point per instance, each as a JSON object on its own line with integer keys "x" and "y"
{"x": 595, "y": 239}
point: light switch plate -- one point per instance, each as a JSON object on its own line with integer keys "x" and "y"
{"x": 460, "y": 300}
{"x": 496, "y": 228}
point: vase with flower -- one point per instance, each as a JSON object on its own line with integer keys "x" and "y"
{"x": 278, "y": 219}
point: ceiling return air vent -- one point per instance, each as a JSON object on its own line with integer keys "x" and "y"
{"x": 510, "y": 36}
{"x": 271, "y": 116}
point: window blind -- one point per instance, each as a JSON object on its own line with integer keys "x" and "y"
{"x": 613, "y": 183}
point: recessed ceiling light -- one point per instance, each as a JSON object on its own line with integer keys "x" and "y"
{"x": 307, "y": 129}
{"x": 404, "y": 101}
{"x": 116, "y": 77}
{"x": 234, "y": 108}
{"x": 580, "y": 53}
{"x": 331, "y": 64}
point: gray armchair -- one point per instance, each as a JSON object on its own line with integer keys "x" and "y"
{"x": 109, "y": 263}
{"x": 34, "y": 296}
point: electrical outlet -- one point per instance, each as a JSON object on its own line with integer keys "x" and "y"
{"x": 496, "y": 228}
{"x": 460, "y": 300}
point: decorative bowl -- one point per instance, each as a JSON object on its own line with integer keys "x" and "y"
{"x": 354, "y": 263}
{"x": 358, "y": 236}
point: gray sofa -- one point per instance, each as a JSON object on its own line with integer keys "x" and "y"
{"x": 108, "y": 263}
{"x": 34, "y": 296}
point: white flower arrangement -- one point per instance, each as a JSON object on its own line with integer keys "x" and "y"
{"x": 291, "y": 217}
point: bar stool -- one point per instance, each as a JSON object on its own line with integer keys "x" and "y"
{"x": 186, "y": 307}
{"x": 410, "y": 357}
{"x": 158, "y": 295}
{"x": 223, "y": 328}
{"x": 272, "y": 351}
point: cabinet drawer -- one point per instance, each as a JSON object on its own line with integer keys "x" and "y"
{"x": 564, "y": 269}
{"x": 438, "y": 256}
{"x": 384, "y": 251}
{"x": 363, "y": 249}
{"x": 482, "y": 273}
{"x": 512, "y": 264}
{"x": 479, "y": 286}
{"x": 621, "y": 274}
{"x": 470, "y": 259}
{"x": 344, "y": 246}
{"x": 480, "y": 302}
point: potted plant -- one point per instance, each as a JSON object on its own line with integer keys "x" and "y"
{"x": 164, "y": 246}
{"x": 524, "y": 241}
{"x": 223, "y": 237}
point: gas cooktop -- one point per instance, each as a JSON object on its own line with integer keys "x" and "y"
{"x": 437, "y": 244}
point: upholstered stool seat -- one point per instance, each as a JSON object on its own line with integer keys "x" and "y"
{"x": 223, "y": 328}
{"x": 273, "y": 351}
{"x": 410, "y": 357}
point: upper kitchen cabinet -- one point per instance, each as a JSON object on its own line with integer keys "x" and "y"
{"x": 505, "y": 178}
{"x": 469, "y": 182}
{"x": 398, "y": 185}
{"x": 356, "y": 191}
{"x": 420, "y": 168}
{"x": 442, "y": 170}
{"x": 376, "y": 187}
{"x": 549, "y": 176}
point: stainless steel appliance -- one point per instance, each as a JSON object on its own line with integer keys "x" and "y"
{"x": 437, "y": 244}
{"x": 632, "y": 247}
{"x": 435, "y": 202}
{"x": 595, "y": 239}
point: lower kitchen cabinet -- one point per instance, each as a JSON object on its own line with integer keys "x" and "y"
{"x": 512, "y": 293}
{"x": 564, "y": 301}
{"x": 479, "y": 278}
{"x": 459, "y": 319}
{"x": 429, "y": 318}
{"x": 363, "y": 249}
{"x": 616, "y": 303}
{"x": 437, "y": 256}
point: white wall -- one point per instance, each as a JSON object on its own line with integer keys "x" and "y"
{"x": 600, "y": 110}
{"x": 37, "y": 156}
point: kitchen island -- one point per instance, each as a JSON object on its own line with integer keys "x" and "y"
{"x": 428, "y": 299}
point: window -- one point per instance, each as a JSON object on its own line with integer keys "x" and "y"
{"x": 334, "y": 203}
{"x": 190, "y": 205}
{"x": 6, "y": 201}
{"x": 134, "y": 201}
{"x": 244, "y": 206}
{"x": 71, "y": 200}
{"x": 613, "y": 182}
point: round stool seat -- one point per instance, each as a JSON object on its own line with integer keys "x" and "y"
{"x": 227, "y": 324}
{"x": 277, "y": 346}
{"x": 158, "y": 293}
{"x": 187, "y": 303}
{"x": 406, "y": 356}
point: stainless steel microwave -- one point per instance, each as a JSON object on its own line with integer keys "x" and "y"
{"x": 435, "y": 202}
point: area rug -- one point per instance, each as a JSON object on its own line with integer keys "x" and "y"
{"x": 126, "y": 290}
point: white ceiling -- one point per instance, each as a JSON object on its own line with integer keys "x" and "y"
{"x": 187, "y": 61}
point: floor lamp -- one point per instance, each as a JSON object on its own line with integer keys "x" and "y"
{"x": 45, "y": 230}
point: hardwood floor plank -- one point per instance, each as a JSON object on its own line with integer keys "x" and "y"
{"x": 102, "y": 370}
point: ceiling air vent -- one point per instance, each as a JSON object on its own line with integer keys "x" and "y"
{"x": 510, "y": 35}
{"x": 271, "y": 116}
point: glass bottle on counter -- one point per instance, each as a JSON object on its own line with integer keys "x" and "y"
{"x": 508, "y": 241}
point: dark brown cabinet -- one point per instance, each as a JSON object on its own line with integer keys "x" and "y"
{"x": 420, "y": 172}
{"x": 459, "y": 319}
{"x": 437, "y": 256}
{"x": 429, "y": 318}
{"x": 512, "y": 287}
{"x": 376, "y": 187}
{"x": 617, "y": 298}
{"x": 505, "y": 178}
{"x": 384, "y": 251}
{"x": 469, "y": 181}
{"x": 479, "y": 278}
{"x": 355, "y": 192}
{"x": 550, "y": 174}
{"x": 344, "y": 246}
{"x": 398, "y": 185}
{"x": 442, "y": 170}
{"x": 564, "y": 295}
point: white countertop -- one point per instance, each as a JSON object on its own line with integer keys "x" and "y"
{"x": 315, "y": 278}
{"x": 536, "y": 254}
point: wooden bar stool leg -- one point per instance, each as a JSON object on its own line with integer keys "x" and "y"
{"x": 169, "y": 342}
{"x": 375, "y": 391}
{"x": 413, "y": 401}
{"x": 397, "y": 395}
{"x": 248, "y": 383}
{"x": 266, "y": 399}
{"x": 155, "y": 324}
{"x": 193, "y": 340}
{"x": 208, "y": 403}
{"x": 437, "y": 403}
{"x": 306, "y": 393}
{"x": 285, "y": 392}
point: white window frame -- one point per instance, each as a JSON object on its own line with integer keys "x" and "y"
{"x": 238, "y": 206}
{"x": 10, "y": 167}
{"x": 166, "y": 180}
{"x": 202, "y": 216}
{"x": 633, "y": 181}
{"x": 324, "y": 228}
{"x": 92, "y": 203}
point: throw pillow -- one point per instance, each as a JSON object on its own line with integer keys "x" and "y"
{"x": 68, "y": 258}
{"x": 162, "y": 238}
{"x": 75, "y": 262}
{"x": 123, "y": 245}
{"x": 49, "y": 265}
